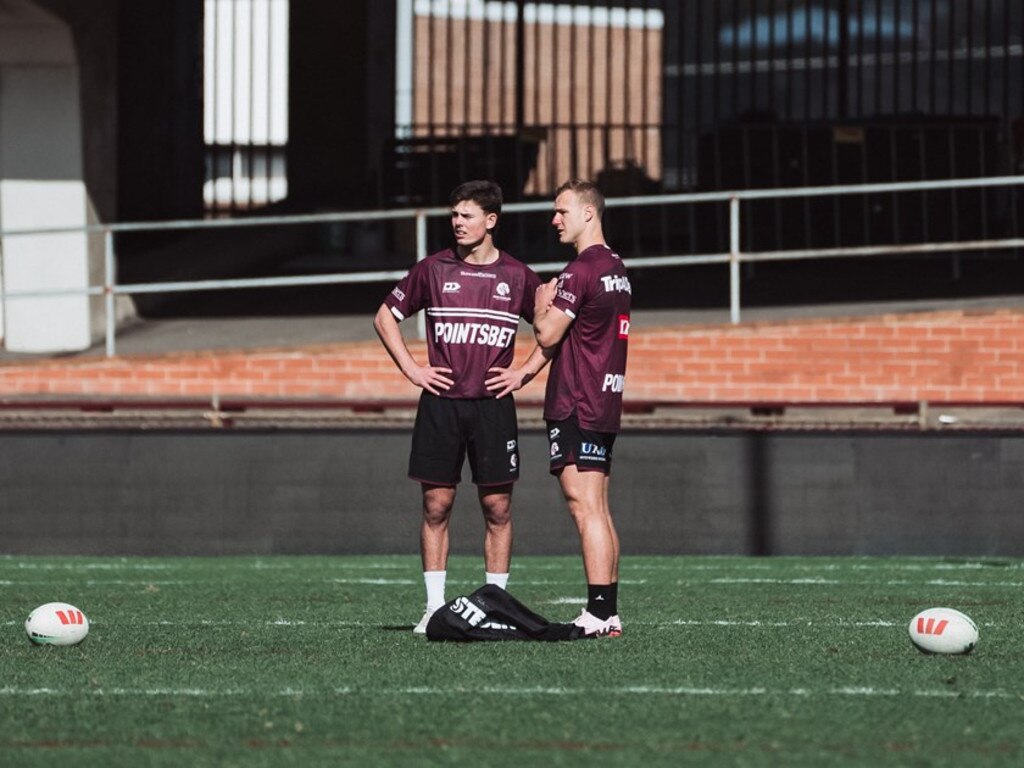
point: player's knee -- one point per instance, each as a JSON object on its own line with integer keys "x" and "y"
{"x": 497, "y": 513}
{"x": 436, "y": 511}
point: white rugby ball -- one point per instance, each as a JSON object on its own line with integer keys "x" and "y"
{"x": 943, "y": 630}
{"x": 56, "y": 624}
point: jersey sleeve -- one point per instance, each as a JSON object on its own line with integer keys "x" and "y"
{"x": 411, "y": 293}
{"x": 571, "y": 292}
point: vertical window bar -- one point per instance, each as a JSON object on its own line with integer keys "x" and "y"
{"x": 894, "y": 174}
{"x": 898, "y": 63}
{"x": 250, "y": 149}
{"x": 753, "y": 53}
{"x": 951, "y": 85}
{"x": 693, "y": 160}
{"x": 915, "y": 19}
{"x": 808, "y": 68}
{"x": 860, "y": 58}
{"x": 214, "y": 148}
{"x": 559, "y": 131}
{"x": 776, "y": 166}
{"x": 233, "y": 124}
{"x": 987, "y": 71}
{"x": 449, "y": 72}
{"x": 969, "y": 12}
{"x": 788, "y": 81}
{"x": 607, "y": 87}
{"x": 878, "y": 57}
{"x": 644, "y": 85}
{"x": 1007, "y": 74}
{"x": 716, "y": 90}
{"x": 573, "y": 112}
{"x": 591, "y": 66}
{"x": 826, "y": 53}
{"x": 736, "y": 107}
{"x": 933, "y": 65}
{"x": 269, "y": 152}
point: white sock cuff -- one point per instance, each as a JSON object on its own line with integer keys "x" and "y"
{"x": 498, "y": 579}
{"x": 434, "y": 582}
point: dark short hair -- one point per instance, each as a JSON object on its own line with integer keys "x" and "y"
{"x": 586, "y": 191}
{"x": 486, "y": 194}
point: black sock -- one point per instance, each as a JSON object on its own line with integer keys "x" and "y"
{"x": 601, "y": 600}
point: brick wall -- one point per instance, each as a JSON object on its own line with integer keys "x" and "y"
{"x": 961, "y": 356}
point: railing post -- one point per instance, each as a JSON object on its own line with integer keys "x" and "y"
{"x": 734, "y": 260}
{"x": 421, "y": 254}
{"x": 108, "y": 290}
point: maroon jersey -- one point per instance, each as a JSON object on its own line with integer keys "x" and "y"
{"x": 589, "y": 373}
{"x": 472, "y": 314}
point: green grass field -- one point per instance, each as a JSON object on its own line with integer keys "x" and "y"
{"x": 311, "y": 661}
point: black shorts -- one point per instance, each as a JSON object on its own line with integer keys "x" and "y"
{"x": 447, "y": 430}
{"x": 590, "y": 451}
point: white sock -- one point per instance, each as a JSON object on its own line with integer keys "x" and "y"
{"x": 498, "y": 579}
{"x": 434, "y": 582}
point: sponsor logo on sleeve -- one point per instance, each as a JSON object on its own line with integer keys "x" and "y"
{"x": 614, "y": 284}
{"x": 510, "y": 446}
{"x": 398, "y": 293}
{"x": 623, "y": 326}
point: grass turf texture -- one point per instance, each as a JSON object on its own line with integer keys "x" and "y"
{"x": 310, "y": 661}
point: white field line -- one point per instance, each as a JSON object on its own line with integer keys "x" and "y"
{"x": 11, "y": 561}
{"x": 520, "y": 582}
{"x": 846, "y": 582}
{"x": 286, "y": 622}
{"x": 369, "y": 692}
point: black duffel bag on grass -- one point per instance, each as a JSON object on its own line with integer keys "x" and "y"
{"x": 491, "y": 613}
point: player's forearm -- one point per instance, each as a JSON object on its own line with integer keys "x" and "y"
{"x": 546, "y": 330}
{"x": 391, "y": 337}
{"x": 535, "y": 363}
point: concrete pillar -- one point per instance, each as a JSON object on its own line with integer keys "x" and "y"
{"x": 41, "y": 181}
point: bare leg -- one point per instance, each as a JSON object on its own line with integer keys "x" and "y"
{"x": 437, "y": 511}
{"x": 587, "y": 496}
{"x": 496, "y": 504}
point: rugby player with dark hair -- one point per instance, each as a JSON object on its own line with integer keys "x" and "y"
{"x": 582, "y": 316}
{"x": 473, "y": 294}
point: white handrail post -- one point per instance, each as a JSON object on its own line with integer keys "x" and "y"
{"x": 734, "y": 260}
{"x": 108, "y": 290}
{"x": 421, "y": 254}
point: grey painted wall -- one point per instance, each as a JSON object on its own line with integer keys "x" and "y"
{"x": 149, "y": 492}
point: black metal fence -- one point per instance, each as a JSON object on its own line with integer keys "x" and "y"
{"x": 652, "y": 95}
{"x": 649, "y": 96}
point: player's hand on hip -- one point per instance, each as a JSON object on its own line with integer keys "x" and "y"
{"x": 432, "y": 378}
{"x": 505, "y": 381}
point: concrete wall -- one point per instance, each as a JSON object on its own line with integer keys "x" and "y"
{"x": 222, "y": 492}
{"x": 43, "y": 181}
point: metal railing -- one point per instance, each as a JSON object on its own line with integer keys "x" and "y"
{"x": 734, "y": 257}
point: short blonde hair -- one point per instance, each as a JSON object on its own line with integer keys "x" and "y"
{"x": 586, "y": 191}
